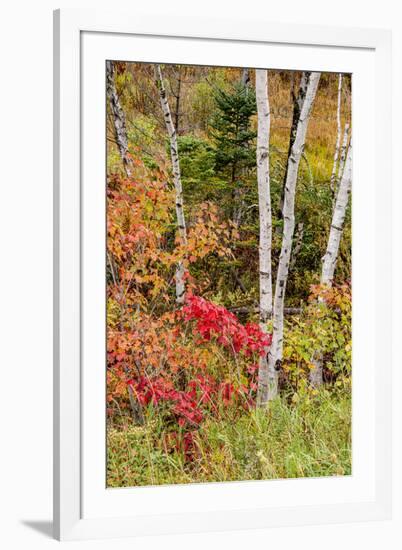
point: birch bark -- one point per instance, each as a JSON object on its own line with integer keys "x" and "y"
{"x": 344, "y": 149}
{"x": 298, "y": 243}
{"x": 174, "y": 155}
{"x": 119, "y": 120}
{"x": 338, "y": 137}
{"x": 297, "y": 107}
{"x": 265, "y": 220}
{"x": 331, "y": 254}
{"x": 245, "y": 77}
{"x": 275, "y": 351}
{"x": 177, "y": 95}
{"x": 338, "y": 219}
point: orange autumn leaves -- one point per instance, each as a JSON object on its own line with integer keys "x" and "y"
{"x": 143, "y": 247}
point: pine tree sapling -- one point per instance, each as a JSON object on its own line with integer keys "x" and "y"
{"x": 234, "y": 141}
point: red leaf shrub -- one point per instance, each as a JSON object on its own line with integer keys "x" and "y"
{"x": 158, "y": 361}
{"x": 213, "y": 321}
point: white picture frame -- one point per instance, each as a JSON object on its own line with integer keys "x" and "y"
{"x": 83, "y": 507}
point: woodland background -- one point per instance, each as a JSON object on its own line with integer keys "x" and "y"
{"x": 214, "y": 372}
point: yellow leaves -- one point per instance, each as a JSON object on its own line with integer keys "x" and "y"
{"x": 261, "y": 456}
{"x": 206, "y": 235}
{"x": 323, "y": 327}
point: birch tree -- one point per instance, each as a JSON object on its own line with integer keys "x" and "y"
{"x": 119, "y": 119}
{"x": 275, "y": 351}
{"x": 344, "y": 149}
{"x": 298, "y": 243}
{"x": 174, "y": 155}
{"x": 177, "y": 92}
{"x": 338, "y": 136}
{"x": 245, "y": 77}
{"x": 297, "y": 107}
{"x": 331, "y": 254}
{"x": 265, "y": 220}
{"x": 338, "y": 219}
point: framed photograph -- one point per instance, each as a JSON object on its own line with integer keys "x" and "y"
{"x": 222, "y": 274}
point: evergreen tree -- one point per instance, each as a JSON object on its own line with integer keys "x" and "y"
{"x": 234, "y": 140}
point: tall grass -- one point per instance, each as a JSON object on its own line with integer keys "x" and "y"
{"x": 309, "y": 436}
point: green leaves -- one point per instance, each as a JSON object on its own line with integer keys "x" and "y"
{"x": 325, "y": 326}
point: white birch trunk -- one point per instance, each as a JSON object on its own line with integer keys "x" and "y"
{"x": 331, "y": 254}
{"x": 265, "y": 219}
{"x": 119, "y": 120}
{"x": 344, "y": 150}
{"x": 338, "y": 136}
{"x": 276, "y": 349}
{"x": 297, "y": 107}
{"x": 174, "y": 154}
{"x": 315, "y": 374}
{"x": 298, "y": 243}
{"x": 338, "y": 219}
{"x": 245, "y": 77}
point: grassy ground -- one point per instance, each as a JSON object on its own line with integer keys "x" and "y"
{"x": 308, "y": 437}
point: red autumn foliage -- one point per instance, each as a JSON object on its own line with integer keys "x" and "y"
{"x": 185, "y": 443}
{"x": 183, "y": 403}
{"x": 213, "y": 321}
{"x": 186, "y": 402}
